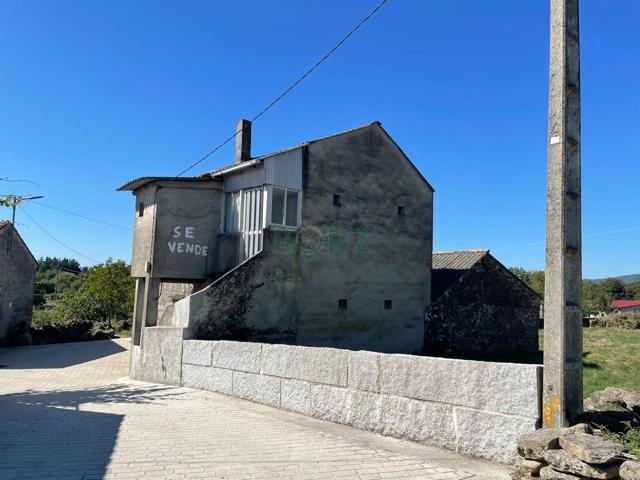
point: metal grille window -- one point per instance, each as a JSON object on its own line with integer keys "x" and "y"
{"x": 285, "y": 207}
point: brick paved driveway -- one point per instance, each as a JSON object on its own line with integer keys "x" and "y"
{"x": 67, "y": 411}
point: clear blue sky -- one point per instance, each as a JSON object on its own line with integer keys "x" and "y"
{"x": 93, "y": 94}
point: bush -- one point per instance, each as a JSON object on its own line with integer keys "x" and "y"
{"x": 627, "y": 320}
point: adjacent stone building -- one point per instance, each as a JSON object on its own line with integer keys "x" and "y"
{"x": 479, "y": 308}
{"x": 17, "y": 274}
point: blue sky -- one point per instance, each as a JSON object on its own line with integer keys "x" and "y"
{"x": 93, "y": 94}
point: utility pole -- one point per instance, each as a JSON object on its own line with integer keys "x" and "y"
{"x": 562, "y": 384}
{"x": 13, "y": 201}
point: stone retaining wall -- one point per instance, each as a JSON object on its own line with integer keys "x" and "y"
{"x": 475, "y": 408}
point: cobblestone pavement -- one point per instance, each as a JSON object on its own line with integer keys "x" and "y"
{"x": 68, "y": 411}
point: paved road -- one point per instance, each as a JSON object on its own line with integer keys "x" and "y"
{"x": 69, "y": 412}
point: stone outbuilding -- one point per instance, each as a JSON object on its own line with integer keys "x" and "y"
{"x": 17, "y": 275}
{"x": 479, "y": 308}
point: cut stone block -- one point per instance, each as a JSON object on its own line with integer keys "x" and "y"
{"x": 497, "y": 387}
{"x": 282, "y": 361}
{"x": 630, "y": 470}
{"x": 364, "y": 371}
{"x": 197, "y": 352}
{"x": 490, "y": 435}
{"x": 207, "y": 378}
{"x": 295, "y": 396}
{"x": 548, "y": 473}
{"x": 239, "y": 356}
{"x": 560, "y": 460}
{"x": 257, "y": 388}
{"x": 423, "y": 422}
{"x": 591, "y": 449}
{"x": 325, "y": 365}
{"x": 330, "y": 403}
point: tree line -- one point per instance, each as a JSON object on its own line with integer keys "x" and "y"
{"x": 596, "y": 296}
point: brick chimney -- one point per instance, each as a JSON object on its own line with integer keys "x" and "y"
{"x": 243, "y": 141}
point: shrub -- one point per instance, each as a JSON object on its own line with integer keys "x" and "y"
{"x": 627, "y": 320}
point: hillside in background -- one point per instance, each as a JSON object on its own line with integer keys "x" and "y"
{"x": 626, "y": 279}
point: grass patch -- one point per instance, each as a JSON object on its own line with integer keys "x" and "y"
{"x": 611, "y": 358}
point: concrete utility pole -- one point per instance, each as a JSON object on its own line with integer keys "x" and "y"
{"x": 562, "y": 386}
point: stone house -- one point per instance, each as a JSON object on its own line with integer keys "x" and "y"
{"x": 17, "y": 275}
{"x": 479, "y": 308}
{"x": 323, "y": 244}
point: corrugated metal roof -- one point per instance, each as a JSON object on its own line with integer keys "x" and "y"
{"x": 142, "y": 181}
{"x": 457, "y": 260}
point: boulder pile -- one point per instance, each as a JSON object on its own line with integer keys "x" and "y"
{"x": 573, "y": 453}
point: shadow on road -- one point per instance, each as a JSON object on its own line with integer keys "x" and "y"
{"x": 58, "y": 355}
{"x": 46, "y": 434}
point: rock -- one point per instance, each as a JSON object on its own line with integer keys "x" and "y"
{"x": 548, "y": 473}
{"x": 532, "y": 466}
{"x": 590, "y": 449}
{"x": 579, "y": 428}
{"x": 533, "y": 445}
{"x": 630, "y": 470}
{"x": 613, "y": 399}
{"x": 562, "y": 461}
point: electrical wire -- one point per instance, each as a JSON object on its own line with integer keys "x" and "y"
{"x": 81, "y": 216}
{"x": 7, "y": 179}
{"x": 54, "y": 238}
{"x": 291, "y": 87}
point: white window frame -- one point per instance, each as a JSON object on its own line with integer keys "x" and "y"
{"x": 269, "y": 205}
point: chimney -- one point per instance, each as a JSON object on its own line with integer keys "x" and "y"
{"x": 243, "y": 141}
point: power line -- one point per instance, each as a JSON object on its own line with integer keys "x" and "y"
{"x": 82, "y": 216}
{"x": 292, "y": 86}
{"x": 55, "y": 239}
{"x": 7, "y": 179}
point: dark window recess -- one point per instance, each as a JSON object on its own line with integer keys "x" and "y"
{"x": 140, "y": 209}
{"x": 342, "y": 303}
{"x": 387, "y": 304}
{"x": 337, "y": 200}
{"x": 400, "y": 211}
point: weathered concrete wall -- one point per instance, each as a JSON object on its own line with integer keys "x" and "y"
{"x": 177, "y": 232}
{"x": 158, "y": 358}
{"x": 487, "y": 312}
{"x": 371, "y": 247}
{"x": 17, "y": 275}
{"x": 475, "y": 408}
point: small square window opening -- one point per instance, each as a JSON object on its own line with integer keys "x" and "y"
{"x": 342, "y": 303}
{"x": 387, "y": 304}
{"x": 140, "y": 209}
{"x": 337, "y": 200}
{"x": 400, "y": 211}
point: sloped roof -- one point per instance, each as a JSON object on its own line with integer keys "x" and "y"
{"x": 136, "y": 183}
{"x": 625, "y": 303}
{"x": 219, "y": 172}
{"x": 257, "y": 160}
{"x": 449, "y": 267}
{"x": 4, "y": 223}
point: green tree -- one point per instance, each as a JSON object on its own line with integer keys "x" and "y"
{"x": 521, "y": 273}
{"x": 107, "y": 292}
